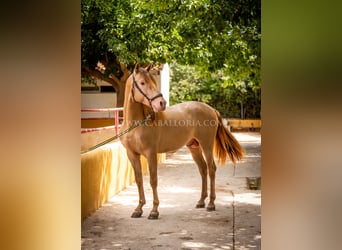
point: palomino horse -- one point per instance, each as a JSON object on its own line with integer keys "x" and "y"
{"x": 194, "y": 124}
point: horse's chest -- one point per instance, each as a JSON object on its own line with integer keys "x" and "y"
{"x": 136, "y": 142}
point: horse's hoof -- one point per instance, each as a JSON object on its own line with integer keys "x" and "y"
{"x": 200, "y": 205}
{"x": 153, "y": 216}
{"x": 136, "y": 214}
{"x": 211, "y": 208}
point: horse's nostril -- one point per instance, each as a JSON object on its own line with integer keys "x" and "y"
{"x": 161, "y": 104}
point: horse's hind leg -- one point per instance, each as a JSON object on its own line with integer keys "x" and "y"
{"x": 136, "y": 164}
{"x": 208, "y": 153}
{"x": 196, "y": 153}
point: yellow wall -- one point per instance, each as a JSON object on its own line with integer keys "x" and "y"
{"x": 97, "y": 123}
{"x": 245, "y": 123}
{"x": 91, "y": 139}
{"x": 105, "y": 172}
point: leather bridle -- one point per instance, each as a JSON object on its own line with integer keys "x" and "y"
{"x": 150, "y": 100}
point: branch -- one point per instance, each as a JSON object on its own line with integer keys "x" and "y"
{"x": 125, "y": 71}
{"x": 113, "y": 77}
{"x": 95, "y": 73}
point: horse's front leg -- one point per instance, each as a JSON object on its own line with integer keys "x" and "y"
{"x": 152, "y": 165}
{"x": 136, "y": 164}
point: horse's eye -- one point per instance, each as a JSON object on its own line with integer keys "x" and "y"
{"x": 142, "y": 83}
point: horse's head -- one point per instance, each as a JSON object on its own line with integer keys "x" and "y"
{"x": 144, "y": 89}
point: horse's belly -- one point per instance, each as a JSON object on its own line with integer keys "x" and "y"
{"x": 172, "y": 139}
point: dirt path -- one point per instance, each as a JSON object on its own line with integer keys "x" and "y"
{"x": 234, "y": 225}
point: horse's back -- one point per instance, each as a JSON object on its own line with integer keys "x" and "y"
{"x": 190, "y": 110}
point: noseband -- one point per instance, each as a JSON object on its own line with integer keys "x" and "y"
{"x": 150, "y": 100}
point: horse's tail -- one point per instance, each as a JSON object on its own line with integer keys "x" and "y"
{"x": 226, "y": 144}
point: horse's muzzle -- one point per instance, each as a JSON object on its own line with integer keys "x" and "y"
{"x": 159, "y": 104}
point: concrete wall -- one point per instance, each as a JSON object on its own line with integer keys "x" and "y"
{"x": 105, "y": 172}
{"x": 165, "y": 83}
{"x": 98, "y": 100}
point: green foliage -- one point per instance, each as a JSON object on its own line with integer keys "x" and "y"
{"x": 189, "y": 83}
{"x": 87, "y": 80}
{"x": 219, "y": 38}
{"x": 196, "y": 32}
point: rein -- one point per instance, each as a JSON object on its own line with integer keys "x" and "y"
{"x": 118, "y": 135}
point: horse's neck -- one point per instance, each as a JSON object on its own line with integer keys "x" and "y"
{"x": 133, "y": 111}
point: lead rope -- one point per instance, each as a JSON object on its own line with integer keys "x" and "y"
{"x": 118, "y": 135}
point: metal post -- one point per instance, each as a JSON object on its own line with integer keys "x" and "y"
{"x": 116, "y": 122}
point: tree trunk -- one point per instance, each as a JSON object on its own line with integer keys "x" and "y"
{"x": 120, "y": 95}
{"x": 118, "y": 84}
{"x": 120, "y": 91}
{"x": 241, "y": 110}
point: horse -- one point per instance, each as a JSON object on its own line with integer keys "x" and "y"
{"x": 194, "y": 124}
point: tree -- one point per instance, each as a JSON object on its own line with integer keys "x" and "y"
{"x": 213, "y": 35}
{"x": 239, "y": 100}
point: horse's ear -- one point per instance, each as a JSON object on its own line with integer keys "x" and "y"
{"x": 149, "y": 67}
{"x": 136, "y": 67}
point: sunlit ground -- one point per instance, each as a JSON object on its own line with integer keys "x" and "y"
{"x": 179, "y": 188}
{"x": 248, "y": 198}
